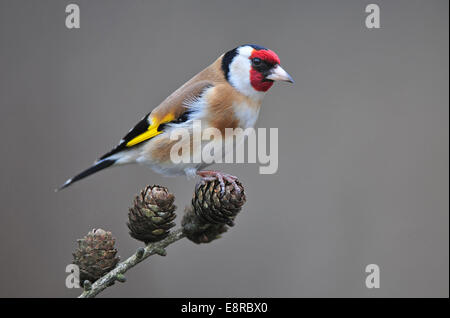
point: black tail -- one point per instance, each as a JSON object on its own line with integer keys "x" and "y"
{"x": 100, "y": 165}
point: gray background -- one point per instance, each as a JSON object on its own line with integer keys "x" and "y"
{"x": 363, "y": 167}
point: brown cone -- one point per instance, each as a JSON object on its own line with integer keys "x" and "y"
{"x": 199, "y": 232}
{"x": 151, "y": 216}
{"x": 211, "y": 211}
{"x": 95, "y": 255}
{"x": 214, "y": 208}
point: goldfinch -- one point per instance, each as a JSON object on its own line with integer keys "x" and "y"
{"x": 226, "y": 94}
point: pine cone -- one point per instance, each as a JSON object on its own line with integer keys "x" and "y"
{"x": 151, "y": 216}
{"x": 95, "y": 255}
{"x": 199, "y": 232}
{"x": 214, "y": 208}
{"x": 210, "y": 212}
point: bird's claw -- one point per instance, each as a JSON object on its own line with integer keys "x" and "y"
{"x": 221, "y": 177}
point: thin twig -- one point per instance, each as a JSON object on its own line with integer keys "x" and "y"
{"x": 121, "y": 268}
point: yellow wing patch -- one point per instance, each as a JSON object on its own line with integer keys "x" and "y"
{"x": 152, "y": 130}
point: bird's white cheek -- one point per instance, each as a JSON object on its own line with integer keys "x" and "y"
{"x": 239, "y": 78}
{"x": 240, "y": 73}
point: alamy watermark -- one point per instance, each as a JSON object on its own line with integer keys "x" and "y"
{"x": 210, "y": 146}
{"x": 373, "y": 279}
{"x": 73, "y": 16}
{"x": 373, "y": 18}
{"x": 73, "y": 279}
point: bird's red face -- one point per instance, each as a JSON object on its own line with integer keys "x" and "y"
{"x": 252, "y": 69}
{"x": 262, "y": 62}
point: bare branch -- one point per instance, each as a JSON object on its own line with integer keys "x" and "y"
{"x": 121, "y": 268}
{"x": 212, "y": 209}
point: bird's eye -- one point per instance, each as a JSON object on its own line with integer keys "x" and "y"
{"x": 256, "y": 61}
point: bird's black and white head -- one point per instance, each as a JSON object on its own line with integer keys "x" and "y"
{"x": 252, "y": 69}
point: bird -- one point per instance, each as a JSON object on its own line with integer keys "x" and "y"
{"x": 226, "y": 94}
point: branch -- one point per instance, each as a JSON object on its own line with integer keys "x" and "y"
{"x": 121, "y": 268}
{"x": 212, "y": 210}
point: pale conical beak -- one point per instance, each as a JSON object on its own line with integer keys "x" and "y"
{"x": 279, "y": 74}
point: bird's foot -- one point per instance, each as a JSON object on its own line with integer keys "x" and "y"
{"x": 211, "y": 175}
